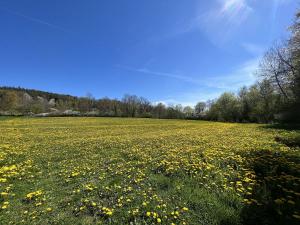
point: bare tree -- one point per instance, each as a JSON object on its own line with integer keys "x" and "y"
{"x": 294, "y": 44}
{"x": 144, "y": 106}
{"x": 159, "y": 110}
{"x": 277, "y": 67}
{"x": 199, "y": 108}
{"x": 131, "y": 103}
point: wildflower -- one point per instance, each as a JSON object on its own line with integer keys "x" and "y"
{"x": 109, "y": 213}
{"x": 89, "y": 187}
{"x": 291, "y": 202}
{"x": 3, "y": 180}
{"x": 296, "y": 216}
{"x": 33, "y": 195}
{"x": 74, "y": 174}
{"x": 278, "y": 201}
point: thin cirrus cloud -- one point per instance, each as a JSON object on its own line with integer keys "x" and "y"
{"x": 253, "y": 49}
{"x": 241, "y": 75}
{"x": 35, "y": 20}
{"x": 218, "y": 23}
{"x": 160, "y": 74}
{"x": 214, "y": 86}
{"x": 222, "y": 20}
{"x": 276, "y": 5}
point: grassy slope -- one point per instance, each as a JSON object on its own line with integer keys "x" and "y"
{"x": 144, "y": 171}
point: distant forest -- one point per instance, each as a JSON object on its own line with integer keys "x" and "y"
{"x": 20, "y": 101}
{"x": 274, "y": 97}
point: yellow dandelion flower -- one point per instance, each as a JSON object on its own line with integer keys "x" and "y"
{"x": 296, "y": 216}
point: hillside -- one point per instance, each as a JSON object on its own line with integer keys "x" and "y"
{"x": 38, "y": 93}
{"x": 22, "y": 101}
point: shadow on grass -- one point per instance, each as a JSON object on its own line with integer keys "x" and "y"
{"x": 286, "y": 126}
{"x": 291, "y": 138}
{"x": 277, "y": 192}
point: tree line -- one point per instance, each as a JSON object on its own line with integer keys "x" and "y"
{"x": 20, "y": 101}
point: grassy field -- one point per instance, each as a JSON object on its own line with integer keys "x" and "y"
{"x": 146, "y": 171}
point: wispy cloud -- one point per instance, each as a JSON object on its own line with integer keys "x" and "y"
{"x": 189, "y": 98}
{"x": 160, "y": 74}
{"x": 241, "y": 75}
{"x": 221, "y": 21}
{"x": 253, "y": 49}
{"x": 276, "y": 5}
{"x": 205, "y": 87}
{"x": 234, "y": 11}
{"x": 36, "y": 20}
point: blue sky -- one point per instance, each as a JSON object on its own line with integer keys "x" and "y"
{"x": 165, "y": 50}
